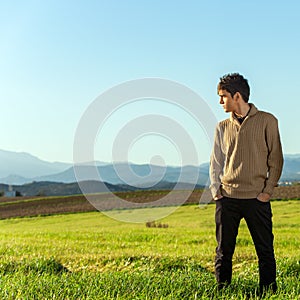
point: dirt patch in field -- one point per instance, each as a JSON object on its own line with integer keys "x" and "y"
{"x": 28, "y": 206}
{"x": 23, "y": 207}
{"x": 287, "y": 192}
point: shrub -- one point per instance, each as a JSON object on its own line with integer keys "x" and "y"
{"x": 153, "y": 224}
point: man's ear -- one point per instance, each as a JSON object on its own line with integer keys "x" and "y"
{"x": 238, "y": 97}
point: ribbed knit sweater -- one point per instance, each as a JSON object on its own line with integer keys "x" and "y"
{"x": 247, "y": 158}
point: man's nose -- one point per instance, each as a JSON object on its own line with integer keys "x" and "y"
{"x": 221, "y": 101}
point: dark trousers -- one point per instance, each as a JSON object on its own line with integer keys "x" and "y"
{"x": 258, "y": 216}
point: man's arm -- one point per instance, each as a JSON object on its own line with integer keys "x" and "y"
{"x": 275, "y": 157}
{"x": 216, "y": 165}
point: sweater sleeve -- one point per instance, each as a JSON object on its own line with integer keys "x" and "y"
{"x": 275, "y": 156}
{"x": 217, "y": 161}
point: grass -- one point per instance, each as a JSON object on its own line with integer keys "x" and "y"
{"x": 91, "y": 256}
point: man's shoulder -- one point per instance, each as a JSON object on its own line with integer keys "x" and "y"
{"x": 261, "y": 114}
{"x": 224, "y": 122}
{"x": 222, "y": 125}
{"x": 266, "y": 115}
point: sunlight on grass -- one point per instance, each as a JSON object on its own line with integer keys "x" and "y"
{"x": 86, "y": 255}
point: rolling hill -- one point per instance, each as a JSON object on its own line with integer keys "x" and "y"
{"x": 23, "y": 168}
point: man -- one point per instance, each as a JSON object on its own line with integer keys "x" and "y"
{"x": 246, "y": 164}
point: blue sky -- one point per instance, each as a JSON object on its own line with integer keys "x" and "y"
{"x": 56, "y": 57}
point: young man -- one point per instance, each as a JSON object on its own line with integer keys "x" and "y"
{"x": 245, "y": 166}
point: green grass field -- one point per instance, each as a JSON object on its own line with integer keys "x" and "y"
{"x": 91, "y": 256}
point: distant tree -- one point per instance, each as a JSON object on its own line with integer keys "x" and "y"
{"x": 18, "y": 194}
{"x": 41, "y": 193}
{"x": 296, "y": 183}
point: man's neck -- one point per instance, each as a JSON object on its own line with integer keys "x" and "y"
{"x": 242, "y": 110}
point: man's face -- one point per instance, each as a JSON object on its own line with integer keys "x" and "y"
{"x": 226, "y": 101}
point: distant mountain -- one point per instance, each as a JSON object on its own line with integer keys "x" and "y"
{"x": 22, "y": 167}
{"x": 19, "y": 168}
{"x": 146, "y": 174}
{"x": 14, "y": 179}
{"x": 46, "y": 188}
{"x": 291, "y": 168}
{"x": 21, "y": 164}
{"x": 292, "y": 156}
{"x": 133, "y": 174}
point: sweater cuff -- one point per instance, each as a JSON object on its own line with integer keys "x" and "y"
{"x": 268, "y": 189}
{"x": 215, "y": 190}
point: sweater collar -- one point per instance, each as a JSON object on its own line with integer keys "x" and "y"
{"x": 253, "y": 110}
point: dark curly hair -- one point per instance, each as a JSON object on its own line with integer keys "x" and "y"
{"x": 234, "y": 83}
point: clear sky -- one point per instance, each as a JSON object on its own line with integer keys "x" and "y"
{"x": 57, "y": 57}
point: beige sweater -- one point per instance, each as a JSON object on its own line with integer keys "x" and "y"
{"x": 246, "y": 159}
